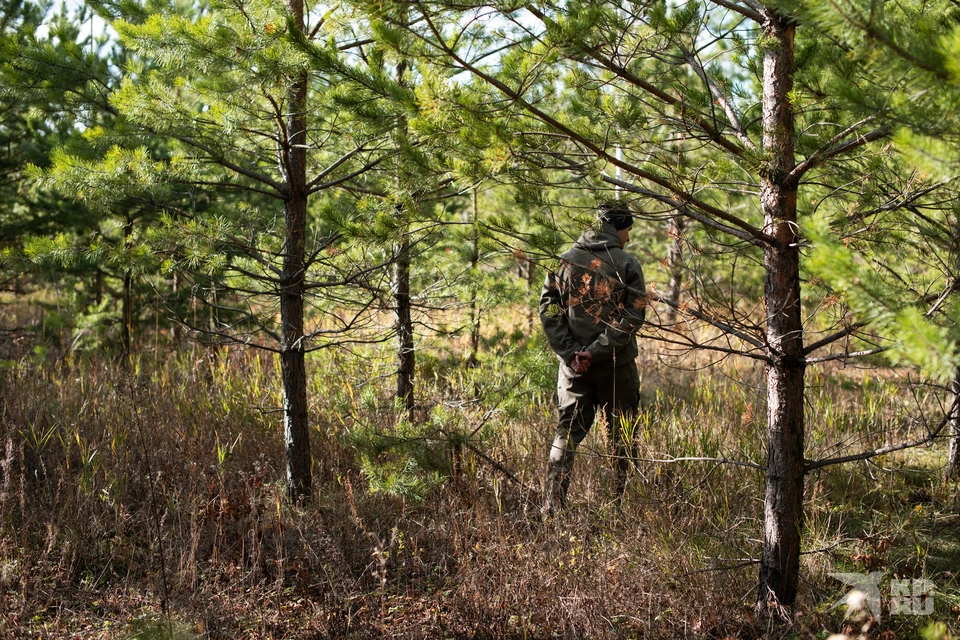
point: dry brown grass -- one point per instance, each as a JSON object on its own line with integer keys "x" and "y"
{"x": 102, "y": 461}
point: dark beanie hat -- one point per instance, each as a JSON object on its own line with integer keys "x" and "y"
{"x": 617, "y": 214}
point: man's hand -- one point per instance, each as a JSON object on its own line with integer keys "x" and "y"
{"x": 581, "y": 361}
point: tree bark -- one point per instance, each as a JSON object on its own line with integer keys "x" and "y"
{"x": 675, "y": 265}
{"x": 783, "y": 504}
{"x": 98, "y": 287}
{"x": 675, "y": 254}
{"x": 175, "y": 325}
{"x": 292, "y": 275}
{"x": 472, "y": 359}
{"x": 532, "y": 287}
{"x": 953, "y": 451}
{"x": 127, "y": 306}
{"x": 127, "y": 311}
{"x": 403, "y": 323}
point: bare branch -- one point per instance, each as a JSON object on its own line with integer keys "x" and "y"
{"x": 496, "y": 465}
{"x": 316, "y": 187}
{"x": 835, "y": 148}
{"x": 699, "y": 315}
{"x": 740, "y": 463}
{"x": 349, "y": 45}
{"x": 223, "y": 162}
{"x": 226, "y": 184}
{"x": 834, "y": 337}
{"x": 253, "y": 253}
{"x": 845, "y": 356}
{"x": 748, "y": 233}
{"x": 866, "y": 455}
{"x": 746, "y": 11}
{"x": 718, "y": 95}
{"x": 699, "y": 346}
{"x": 333, "y": 166}
{"x": 954, "y": 284}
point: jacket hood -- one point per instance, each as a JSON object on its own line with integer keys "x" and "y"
{"x": 594, "y": 239}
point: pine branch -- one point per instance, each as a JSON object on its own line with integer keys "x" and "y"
{"x": 223, "y": 162}
{"x": 711, "y": 132}
{"x": 752, "y": 234}
{"x": 884, "y": 38}
{"x": 589, "y": 144}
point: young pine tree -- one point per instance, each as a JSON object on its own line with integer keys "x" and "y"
{"x": 246, "y": 117}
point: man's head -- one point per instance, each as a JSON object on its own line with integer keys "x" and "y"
{"x": 618, "y": 214}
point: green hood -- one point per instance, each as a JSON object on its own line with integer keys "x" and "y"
{"x": 593, "y": 239}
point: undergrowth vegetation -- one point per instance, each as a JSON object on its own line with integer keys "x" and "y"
{"x": 144, "y": 498}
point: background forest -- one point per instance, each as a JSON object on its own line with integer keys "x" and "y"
{"x": 270, "y": 355}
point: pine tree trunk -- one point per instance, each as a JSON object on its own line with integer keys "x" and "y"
{"x": 532, "y": 287}
{"x": 675, "y": 254}
{"x": 292, "y": 365}
{"x": 783, "y": 504}
{"x": 953, "y": 452}
{"x": 674, "y": 264}
{"x": 175, "y": 324}
{"x": 126, "y": 311}
{"x": 474, "y": 310}
{"x": 403, "y": 323}
{"x": 98, "y": 288}
{"x": 127, "y": 306}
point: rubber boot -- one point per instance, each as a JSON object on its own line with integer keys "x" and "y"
{"x": 623, "y": 469}
{"x": 624, "y": 450}
{"x": 558, "y": 478}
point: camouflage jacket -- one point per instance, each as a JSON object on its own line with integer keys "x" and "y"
{"x": 596, "y": 299}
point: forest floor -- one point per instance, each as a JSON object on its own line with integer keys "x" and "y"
{"x": 142, "y": 497}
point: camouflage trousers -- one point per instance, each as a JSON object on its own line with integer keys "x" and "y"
{"x": 615, "y": 392}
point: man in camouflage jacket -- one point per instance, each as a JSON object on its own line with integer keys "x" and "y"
{"x": 591, "y": 308}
